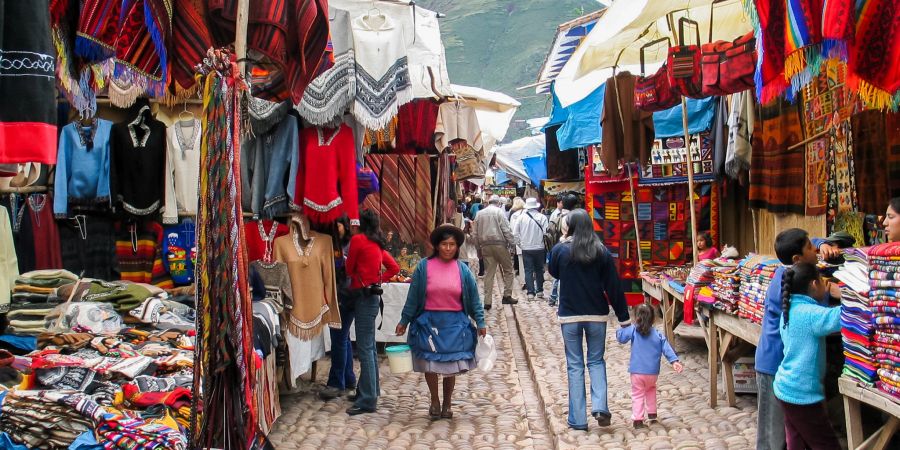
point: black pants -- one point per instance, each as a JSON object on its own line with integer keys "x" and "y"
{"x": 808, "y": 427}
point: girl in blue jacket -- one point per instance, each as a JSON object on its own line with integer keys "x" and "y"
{"x": 798, "y": 381}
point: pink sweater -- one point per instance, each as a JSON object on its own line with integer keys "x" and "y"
{"x": 443, "y": 289}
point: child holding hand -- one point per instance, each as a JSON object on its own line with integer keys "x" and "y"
{"x": 647, "y": 346}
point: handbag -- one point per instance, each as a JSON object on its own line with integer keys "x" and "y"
{"x": 728, "y": 67}
{"x": 468, "y": 162}
{"x": 654, "y": 93}
{"x": 685, "y": 76}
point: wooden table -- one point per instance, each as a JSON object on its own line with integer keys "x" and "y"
{"x": 854, "y": 395}
{"x": 671, "y": 302}
{"x": 727, "y": 337}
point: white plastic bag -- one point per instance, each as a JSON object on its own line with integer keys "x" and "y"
{"x": 485, "y": 353}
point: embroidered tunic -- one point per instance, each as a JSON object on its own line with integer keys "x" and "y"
{"x": 326, "y": 181}
{"x": 182, "y": 170}
{"x": 314, "y": 289}
{"x": 138, "y": 163}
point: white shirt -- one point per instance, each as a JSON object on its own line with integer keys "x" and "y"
{"x": 529, "y": 229}
{"x": 182, "y": 170}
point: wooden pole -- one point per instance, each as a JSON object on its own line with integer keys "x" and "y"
{"x": 690, "y": 172}
{"x": 240, "y": 38}
{"x": 634, "y": 212}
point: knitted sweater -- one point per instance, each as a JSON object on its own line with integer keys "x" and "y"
{"x": 82, "y": 170}
{"x": 138, "y": 163}
{"x": 586, "y": 291}
{"x": 182, "y": 170}
{"x": 326, "y": 185}
{"x": 799, "y": 377}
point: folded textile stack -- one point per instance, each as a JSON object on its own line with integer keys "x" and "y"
{"x": 857, "y": 326}
{"x": 756, "y": 273}
{"x": 726, "y": 286}
{"x": 33, "y": 298}
{"x": 41, "y": 423}
{"x": 884, "y": 296}
{"x": 701, "y": 275}
{"x": 124, "y": 296}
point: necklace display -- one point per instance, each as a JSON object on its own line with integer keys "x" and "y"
{"x": 268, "y": 240}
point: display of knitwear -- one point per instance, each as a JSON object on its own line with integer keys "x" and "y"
{"x": 269, "y": 165}
{"x": 182, "y": 169}
{"x": 139, "y": 252}
{"x": 329, "y": 94}
{"x": 382, "y": 70}
{"x": 83, "y": 168}
{"x": 857, "y": 325}
{"x": 28, "y": 112}
{"x": 884, "y": 299}
{"x": 34, "y": 298}
{"x": 326, "y": 185}
{"x": 310, "y": 265}
{"x": 138, "y": 162}
{"x": 756, "y": 273}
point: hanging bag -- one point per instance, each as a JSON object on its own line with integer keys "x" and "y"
{"x": 729, "y": 66}
{"x": 468, "y": 161}
{"x": 654, "y": 93}
{"x": 685, "y": 76}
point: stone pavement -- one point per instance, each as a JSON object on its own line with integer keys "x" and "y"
{"x": 522, "y": 403}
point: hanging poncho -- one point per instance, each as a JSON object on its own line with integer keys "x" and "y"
{"x": 330, "y": 93}
{"x": 382, "y": 77}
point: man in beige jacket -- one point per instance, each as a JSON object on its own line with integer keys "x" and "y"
{"x": 492, "y": 234}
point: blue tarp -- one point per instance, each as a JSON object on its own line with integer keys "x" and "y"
{"x": 500, "y": 176}
{"x": 536, "y": 168}
{"x": 581, "y": 120}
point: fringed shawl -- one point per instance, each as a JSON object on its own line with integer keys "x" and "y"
{"x": 803, "y": 42}
{"x": 144, "y": 32}
{"x": 768, "y": 19}
{"x": 382, "y": 71}
{"x": 873, "y": 58}
{"x": 329, "y": 95}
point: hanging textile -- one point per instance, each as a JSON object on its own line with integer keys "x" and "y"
{"x": 561, "y": 165}
{"x": 777, "y": 175}
{"x": 803, "y": 42}
{"x": 190, "y": 40}
{"x": 141, "y": 46}
{"x": 382, "y": 76}
{"x": 769, "y": 24}
{"x": 224, "y": 365}
{"x": 875, "y": 52}
{"x": 326, "y": 184}
{"x": 417, "y": 121}
{"x": 423, "y": 201}
{"x": 841, "y": 177}
{"x": 27, "y": 83}
{"x": 817, "y": 156}
{"x": 286, "y": 41}
{"x": 871, "y": 167}
{"x": 627, "y": 131}
{"x": 405, "y": 202}
{"x": 329, "y": 94}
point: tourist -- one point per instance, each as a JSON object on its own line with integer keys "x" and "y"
{"x": 705, "y": 247}
{"x": 798, "y": 382}
{"x": 518, "y": 207}
{"x": 648, "y": 345}
{"x": 494, "y": 238}
{"x": 368, "y": 265}
{"x": 341, "y": 377}
{"x": 589, "y": 284}
{"x": 557, "y": 230}
{"x": 792, "y": 246}
{"x": 442, "y": 298}
{"x": 529, "y": 230}
{"x": 892, "y": 221}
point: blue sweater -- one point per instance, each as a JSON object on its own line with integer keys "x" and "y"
{"x": 587, "y": 290}
{"x": 799, "y": 377}
{"x": 770, "y": 349}
{"x": 82, "y": 174}
{"x": 415, "y": 299}
{"x": 646, "y": 350}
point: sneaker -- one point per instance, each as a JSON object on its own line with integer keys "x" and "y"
{"x": 638, "y": 424}
{"x": 540, "y": 295}
{"x": 509, "y": 301}
{"x": 530, "y": 297}
{"x": 603, "y": 420}
{"x": 329, "y": 393}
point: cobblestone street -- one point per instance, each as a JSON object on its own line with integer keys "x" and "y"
{"x": 522, "y": 403}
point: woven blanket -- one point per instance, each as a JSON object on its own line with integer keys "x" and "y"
{"x": 874, "y": 53}
{"x": 144, "y": 32}
{"x": 778, "y": 181}
{"x": 769, "y": 20}
{"x": 876, "y": 253}
{"x": 190, "y": 40}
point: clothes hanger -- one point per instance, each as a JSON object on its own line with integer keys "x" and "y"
{"x": 186, "y": 115}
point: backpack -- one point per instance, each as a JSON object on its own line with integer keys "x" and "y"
{"x": 554, "y": 232}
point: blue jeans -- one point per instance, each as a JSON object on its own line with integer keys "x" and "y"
{"x": 341, "y": 375}
{"x": 554, "y": 293}
{"x": 534, "y": 270}
{"x": 367, "y": 388}
{"x": 770, "y": 434}
{"x": 574, "y": 335}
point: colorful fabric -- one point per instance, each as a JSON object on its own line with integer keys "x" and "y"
{"x": 139, "y": 252}
{"x": 803, "y": 41}
{"x": 97, "y": 29}
{"x": 769, "y": 20}
{"x": 875, "y": 49}
{"x": 141, "y": 46}
{"x": 777, "y": 183}
{"x": 415, "y": 131}
{"x": 190, "y": 40}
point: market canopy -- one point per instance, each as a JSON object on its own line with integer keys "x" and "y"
{"x": 616, "y": 39}
{"x": 495, "y": 111}
{"x": 509, "y": 157}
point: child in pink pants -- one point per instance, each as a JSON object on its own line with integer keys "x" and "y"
{"x": 647, "y": 346}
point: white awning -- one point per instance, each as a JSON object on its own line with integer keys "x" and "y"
{"x": 495, "y": 111}
{"x": 509, "y": 156}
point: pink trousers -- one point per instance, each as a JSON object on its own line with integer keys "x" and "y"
{"x": 643, "y": 395}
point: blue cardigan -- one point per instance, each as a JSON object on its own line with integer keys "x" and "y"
{"x": 415, "y": 299}
{"x": 82, "y": 174}
{"x": 799, "y": 377}
{"x": 646, "y": 350}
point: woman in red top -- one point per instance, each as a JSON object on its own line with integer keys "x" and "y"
{"x": 368, "y": 264}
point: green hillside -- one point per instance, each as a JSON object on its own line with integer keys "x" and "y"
{"x": 501, "y": 44}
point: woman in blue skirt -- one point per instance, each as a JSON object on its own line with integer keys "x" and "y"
{"x": 442, "y": 299}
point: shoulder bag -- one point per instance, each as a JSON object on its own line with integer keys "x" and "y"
{"x": 654, "y": 93}
{"x": 684, "y": 64}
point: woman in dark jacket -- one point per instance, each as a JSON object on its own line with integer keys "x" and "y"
{"x": 341, "y": 377}
{"x": 441, "y": 300}
{"x": 368, "y": 265}
{"x": 588, "y": 284}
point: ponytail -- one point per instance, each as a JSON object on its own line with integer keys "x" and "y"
{"x": 786, "y": 282}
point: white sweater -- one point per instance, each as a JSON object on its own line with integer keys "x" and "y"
{"x": 182, "y": 171}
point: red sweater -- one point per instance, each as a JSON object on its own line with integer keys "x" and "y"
{"x": 326, "y": 180}
{"x": 364, "y": 261}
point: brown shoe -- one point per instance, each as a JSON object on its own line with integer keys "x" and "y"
{"x": 638, "y": 424}
{"x": 652, "y": 418}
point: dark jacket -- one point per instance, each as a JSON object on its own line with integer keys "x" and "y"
{"x": 587, "y": 290}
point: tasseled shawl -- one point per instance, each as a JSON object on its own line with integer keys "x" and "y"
{"x": 329, "y": 95}
{"x": 382, "y": 70}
